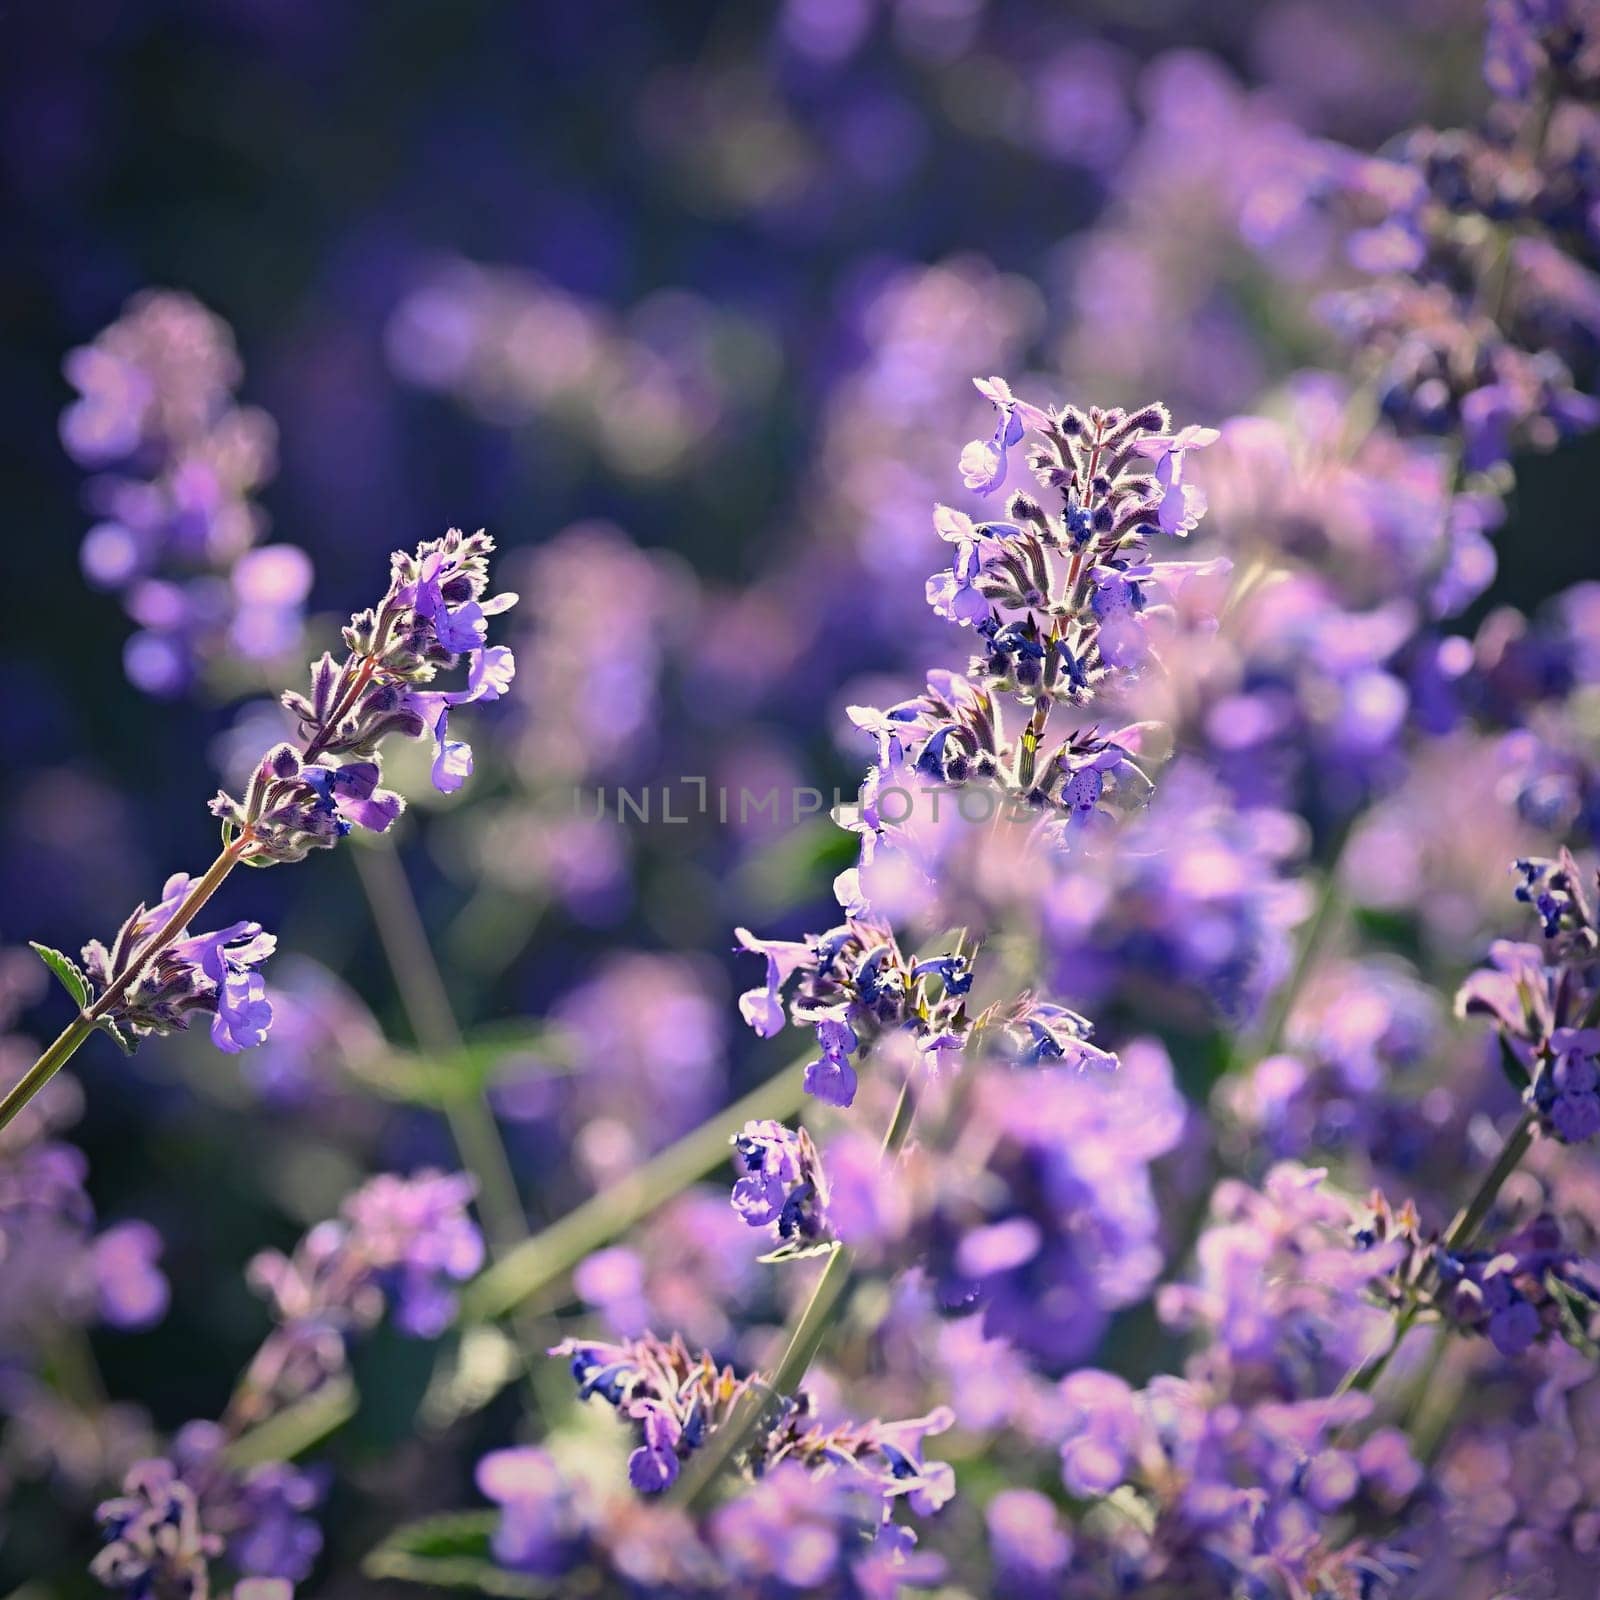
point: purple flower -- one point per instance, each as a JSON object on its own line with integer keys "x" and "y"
{"x": 1027, "y": 1543}
{"x": 1566, "y": 1089}
{"x": 1049, "y": 1033}
{"x": 953, "y": 594}
{"x": 1516, "y": 1293}
{"x": 831, "y": 1078}
{"x": 794, "y": 1533}
{"x": 541, "y": 1526}
{"x": 204, "y": 975}
{"x": 416, "y": 1235}
{"x": 351, "y": 793}
{"x": 264, "y": 1512}
{"x": 154, "y": 1542}
{"x": 488, "y": 678}
{"x": 653, "y": 1467}
{"x": 1102, "y": 1432}
{"x": 1059, "y": 1226}
{"x": 178, "y": 521}
{"x": 983, "y": 462}
{"x": 133, "y": 1290}
{"x": 1181, "y": 505}
{"x": 243, "y": 1012}
{"x": 780, "y": 1184}
{"x": 762, "y": 1007}
{"x": 401, "y": 1242}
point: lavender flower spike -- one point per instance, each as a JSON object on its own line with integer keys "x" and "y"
{"x": 301, "y": 797}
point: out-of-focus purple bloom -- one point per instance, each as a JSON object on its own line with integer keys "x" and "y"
{"x": 1059, "y": 1228}
{"x": 541, "y": 1526}
{"x": 133, "y": 1290}
{"x": 154, "y": 1541}
{"x": 1280, "y": 1296}
{"x": 1029, "y": 1546}
{"x": 263, "y": 1513}
{"x": 400, "y": 1243}
{"x": 177, "y": 463}
{"x": 1102, "y": 1432}
{"x": 653, "y": 1036}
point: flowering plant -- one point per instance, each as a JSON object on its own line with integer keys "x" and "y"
{"x": 1182, "y": 1180}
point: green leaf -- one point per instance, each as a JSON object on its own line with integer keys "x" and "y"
{"x": 66, "y": 970}
{"x": 126, "y": 1045}
{"x": 463, "y": 1074}
{"x": 453, "y": 1552}
{"x": 1575, "y": 1309}
{"x": 798, "y": 1252}
{"x": 1516, "y": 1073}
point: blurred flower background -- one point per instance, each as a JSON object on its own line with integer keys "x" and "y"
{"x": 683, "y": 303}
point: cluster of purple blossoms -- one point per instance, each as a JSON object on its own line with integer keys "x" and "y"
{"x": 1056, "y": 599}
{"x": 679, "y": 1400}
{"x": 1195, "y": 903}
{"x": 1055, "y": 1226}
{"x": 793, "y": 1531}
{"x": 168, "y": 1528}
{"x": 209, "y": 974}
{"x": 64, "y": 1274}
{"x": 1488, "y": 244}
{"x": 156, "y": 977}
{"x": 1529, "y": 1285}
{"x": 1519, "y": 1497}
{"x": 401, "y": 1245}
{"x": 1544, "y": 1001}
{"x": 434, "y": 617}
{"x": 853, "y": 986}
{"x": 643, "y": 392}
{"x": 781, "y": 1186}
{"x": 58, "y": 1268}
{"x": 1252, "y": 1471}
{"x": 654, "y": 1029}
{"x": 690, "y": 1267}
{"x": 1354, "y": 1042}
{"x": 177, "y": 461}
{"x": 1279, "y": 1295}
{"x": 1214, "y": 1498}
{"x": 179, "y": 1519}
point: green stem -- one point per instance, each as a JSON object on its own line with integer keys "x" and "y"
{"x": 296, "y": 1428}
{"x": 433, "y": 1020}
{"x": 1470, "y": 1218}
{"x": 79, "y": 1029}
{"x": 759, "y": 1402}
{"x": 538, "y": 1262}
{"x": 1363, "y": 1378}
